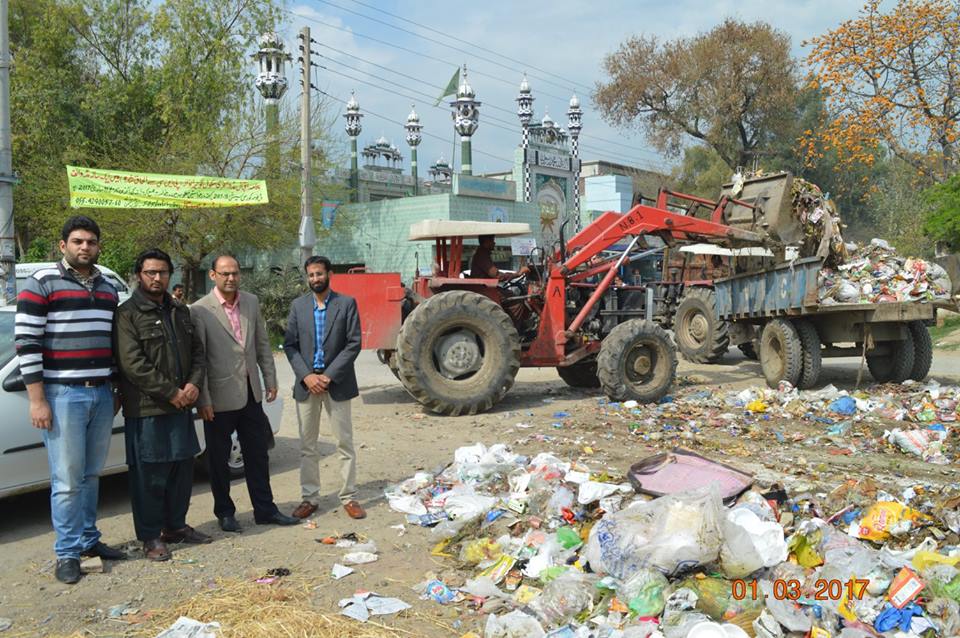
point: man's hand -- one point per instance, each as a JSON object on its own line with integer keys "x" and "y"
{"x": 326, "y": 381}
{"x": 40, "y": 415}
{"x": 271, "y": 395}
{"x": 180, "y": 400}
{"x": 192, "y": 392}
{"x": 206, "y": 412}
{"x": 314, "y": 383}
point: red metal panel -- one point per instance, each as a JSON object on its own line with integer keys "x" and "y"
{"x": 379, "y": 297}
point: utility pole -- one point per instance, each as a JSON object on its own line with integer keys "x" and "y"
{"x": 308, "y": 236}
{"x": 8, "y": 256}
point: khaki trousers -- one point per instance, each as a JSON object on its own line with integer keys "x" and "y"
{"x": 341, "y": 426}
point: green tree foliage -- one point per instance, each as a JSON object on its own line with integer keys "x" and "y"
{"x": 160, "y": 87}
{"x": 732, "y": 89}
{"x": 942, "y": 222}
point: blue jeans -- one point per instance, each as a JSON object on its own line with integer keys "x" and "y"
{"x": 77, "y": 447}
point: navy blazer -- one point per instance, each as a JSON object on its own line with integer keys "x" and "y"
{"x": 341, "y": 344}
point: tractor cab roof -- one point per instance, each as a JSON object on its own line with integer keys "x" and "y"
{"x": 430, "y": 229}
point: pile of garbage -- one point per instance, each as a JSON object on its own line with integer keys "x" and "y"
{"x": 916, "y": 418}
{"x": 820, "y": 221}
{"x": 876, "y": 274}
{"x": 680, "y": 547}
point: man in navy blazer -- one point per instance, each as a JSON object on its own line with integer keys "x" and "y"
{"x": 322, "y": 342}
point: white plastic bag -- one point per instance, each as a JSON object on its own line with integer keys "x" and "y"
{"x": 671, "y": 533}
{"x": 750, "y": 543}
{"x": 516, "y": 624}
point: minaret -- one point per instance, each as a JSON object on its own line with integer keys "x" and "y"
{"x": 466, "y": 117}
{"x": 575, "y": 125}
{"x": 272, "y": 83}
{"x": 353, "y": 129}
{"x": 525, "y": 113}
{"x": 414, "y": 127}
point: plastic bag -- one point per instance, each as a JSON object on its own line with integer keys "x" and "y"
{"x": 883, "y": 519}
{"x": 750, "y": 543}
{"x": 715, "y": 599}
{"x": 565, "y": 597}
{"x": 516, "y": 624}
{"x": 479, "y": 550}
{"x": 672, "y": 533}
{"x": 643, "y": 593}
{"x": 846, "y": 405}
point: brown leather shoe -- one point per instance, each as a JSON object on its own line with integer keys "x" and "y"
{"x": 354, "y": 509}
{"x": 156, "y": 550}
{"x": 304, "y": 510}
{"x": 185, "y": 535}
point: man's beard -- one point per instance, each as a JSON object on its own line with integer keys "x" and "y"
{"x": 319, "y": 288}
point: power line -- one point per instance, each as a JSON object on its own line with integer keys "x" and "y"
{"x": 407, "y": 50}
{"x": 443, "y": 44}
{"x": 476, "y": 46}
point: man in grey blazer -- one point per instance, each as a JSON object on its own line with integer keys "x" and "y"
{"x": 236, "y": 343}
{"x": 322, "y": 342}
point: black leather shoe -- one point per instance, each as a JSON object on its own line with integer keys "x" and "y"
{"x": 104, "y": 551}
{"x": 279, "y": 518}
{"x": 68, "y": 570}
{"x": 229, "y": 524}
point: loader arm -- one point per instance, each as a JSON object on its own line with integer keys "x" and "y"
{"x": 610, "y": 228}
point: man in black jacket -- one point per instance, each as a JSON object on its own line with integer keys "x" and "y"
{"x": 161, "y": 364}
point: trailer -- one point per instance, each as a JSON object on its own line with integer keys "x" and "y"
{"x": 797, "y": 330}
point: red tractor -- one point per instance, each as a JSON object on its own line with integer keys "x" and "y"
{"x": 457, "y": 343}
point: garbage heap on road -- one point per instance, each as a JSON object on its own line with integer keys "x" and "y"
{"x": 680, "y": 546}
{"x": 915, "y": 418}
{"x": 875, "y": 273}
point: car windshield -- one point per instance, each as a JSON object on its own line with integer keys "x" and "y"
{"x": 6, "y": 337}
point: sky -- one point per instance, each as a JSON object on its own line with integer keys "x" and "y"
{"x": 394, "y": 54}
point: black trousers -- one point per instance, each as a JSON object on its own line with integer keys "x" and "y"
{"x": 254, "y": 434}
{"x": 160, "y": 496}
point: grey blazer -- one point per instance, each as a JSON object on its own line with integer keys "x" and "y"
{"x": 228, "y": 362}
{"x": 341, "y": 344}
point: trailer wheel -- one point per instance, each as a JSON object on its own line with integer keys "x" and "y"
{"x": 896, "y": 365}
{"x": 637, "y": 361}
{"x": 922, "y": 350}
{"x": 781, "y": 354}
{"x": 811, "y": 356}
{"x": 582, "y": 374}
{"x": 749, "y": 350}
{"x": 458, "y": 353}
{"x": 700, "y": 335}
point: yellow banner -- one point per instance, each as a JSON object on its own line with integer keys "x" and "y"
{"x": 95, "y": 188}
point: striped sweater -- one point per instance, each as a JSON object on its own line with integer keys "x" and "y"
{"x": 63, "y": 330}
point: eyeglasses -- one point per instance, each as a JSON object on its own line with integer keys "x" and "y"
{"x": 228, "y": 275}
{"x": 153, "y": 274}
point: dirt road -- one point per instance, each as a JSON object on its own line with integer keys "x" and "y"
{"x": 395, "y": 440}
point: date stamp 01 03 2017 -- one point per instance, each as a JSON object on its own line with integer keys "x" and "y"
{"x": 823, "y": 589}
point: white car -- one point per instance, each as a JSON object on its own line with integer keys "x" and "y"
{"x": 24, "y": 270}
{"x": 23, "y": 459}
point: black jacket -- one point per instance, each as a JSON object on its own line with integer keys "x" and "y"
{"x": 153, "y": 362}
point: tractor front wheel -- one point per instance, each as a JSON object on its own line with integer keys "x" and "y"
{"x": 701, "y": 336}
{"x": 637, "y": 361}
{"x": 458, "y": 353}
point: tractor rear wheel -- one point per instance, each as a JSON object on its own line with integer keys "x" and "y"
{"x": 922, "y": 350}
{"x": 458, "y": 353}
{"x": 897, "y": 364}
{"x": 781, "y": 353}
{"x": 582, "y": 374}
{"x": 637, "y": 361}
{"x": 701, "y": 336}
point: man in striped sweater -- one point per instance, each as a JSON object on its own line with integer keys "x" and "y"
{"x": 64, "y": 344}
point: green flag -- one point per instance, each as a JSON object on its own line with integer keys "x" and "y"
{"x": 451, "y": 87}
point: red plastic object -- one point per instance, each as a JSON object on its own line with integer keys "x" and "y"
{"x": 379, "y": 298}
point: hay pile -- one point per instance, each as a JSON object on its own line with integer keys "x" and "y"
{"x": 247, "y": 609}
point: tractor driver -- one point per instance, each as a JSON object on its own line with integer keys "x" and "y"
{"x": 482, "y": 266}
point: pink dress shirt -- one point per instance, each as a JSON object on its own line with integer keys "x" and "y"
{"x": 233, "y": 314}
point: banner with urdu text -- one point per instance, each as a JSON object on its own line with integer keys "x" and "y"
{"x": 95, "y": 188}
